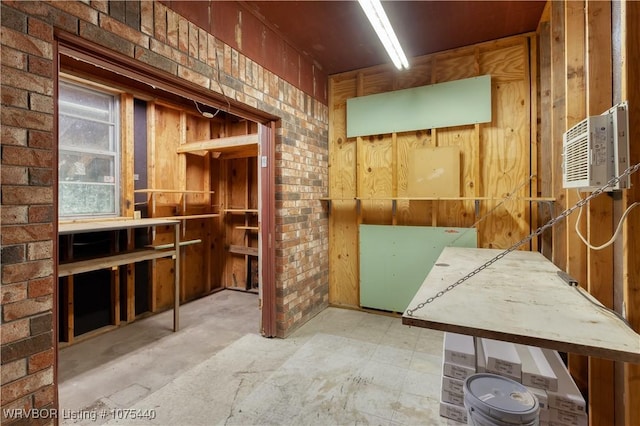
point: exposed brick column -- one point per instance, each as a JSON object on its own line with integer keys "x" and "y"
{"x": 27, "y": 337}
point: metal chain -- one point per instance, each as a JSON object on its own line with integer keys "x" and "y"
{"x": 540, "y": 230}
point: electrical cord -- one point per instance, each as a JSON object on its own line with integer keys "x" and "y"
{"x": 615, "y": 234}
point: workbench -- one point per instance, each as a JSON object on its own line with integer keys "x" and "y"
{"x": 519, "y": 298}
{"x": 113, "y": 261}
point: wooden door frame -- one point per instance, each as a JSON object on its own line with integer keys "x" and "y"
{"x": 267, "y": 259}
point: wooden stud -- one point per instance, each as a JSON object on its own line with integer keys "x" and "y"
{"x": 575, "y": 108}
{"x": 599, "y": 218}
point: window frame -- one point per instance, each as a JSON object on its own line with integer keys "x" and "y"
{"x": 115, "y": 150}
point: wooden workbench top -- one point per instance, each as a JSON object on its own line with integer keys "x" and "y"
{"x": 519, "y": 298}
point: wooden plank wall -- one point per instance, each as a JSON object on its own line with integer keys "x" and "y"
{"x": 579, "y": 39}
{"x": 631, "y": 242}
{"x": 496, "y": 157}
{"x": 169, "y": 127}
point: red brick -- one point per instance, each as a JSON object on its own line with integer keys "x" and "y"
{"x": 14, "y": 370}
{"x": 41, "y": 361}
{"x": 26, "y": 233}
{"x": 40, "y": 66}
{"x": 27, "y": 195}
{"x": 146, "y": 17}
{"x": 27, "y": 385}
{"x": 41, "y": 103}
{"x": 31, "y": 345}
{"x": 13, "y": 215}
{"x": 41, "y": 214}
{"x": 123, "y": 30}
{"x": 12, "y": 77}
{"x": 14, "y": 331}
{"x": 41, "y": 177}
{"x": 13, "y": 254}
{"x": 25, "y": 308}
{"x": 26, "y": 43}
{"x": 14, "y": 97}
{"x": 13, "y": 136}
{"x": 44, "y": 396}
{"x": 40, "y": 287}
{"x": 160, "y": 22}
{"x": 40, "y": 250}
{"x": 101, "y": 5}
{"x": 79, "y": 10}
{"x": 27, "y": 119}
{"x": 40, "y": 30}
{"x": 20, "y": 404}
{"x": 14, "y": 175}
{"x": 13, "y": 292}
{"x": 40, "y": 139}
{"x": 22, "y": 272}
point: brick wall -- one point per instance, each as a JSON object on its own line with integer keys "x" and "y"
{"x": 157, "y": 36}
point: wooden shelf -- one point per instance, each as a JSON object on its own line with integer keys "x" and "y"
{"x": 248, "y": 228}
{"x": 519, "y": 298}
{"x": 247, "y": 144}
{"x": 249, "y": 251}
{"x": 171, "y": 191}
{"x": 194, "y": 216}
{"x": 80, "y": 266}
{"x": 78, "y": 227}
{"x": 241, "y": 211}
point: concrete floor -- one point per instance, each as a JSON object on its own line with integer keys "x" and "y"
{"x": 343, "y": 367}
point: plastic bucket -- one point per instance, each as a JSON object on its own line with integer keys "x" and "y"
{"x": 492, "y": 400}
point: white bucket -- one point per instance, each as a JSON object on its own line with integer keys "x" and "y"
{"x": 492, "y": 400}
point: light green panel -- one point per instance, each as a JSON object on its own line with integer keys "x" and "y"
{"x": 454, "y": 103}
{"x": 395, "y": 260}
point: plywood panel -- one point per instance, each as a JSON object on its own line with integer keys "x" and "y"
{"x": 410, "y": 212}
{"x": 505, "y": 166}
{"x": 434, "y": 172}
{"x": 167, "y": 137}
{"x": 378, "y": 166}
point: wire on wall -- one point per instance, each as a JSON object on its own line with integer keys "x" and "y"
{"x": 615, "y": 234}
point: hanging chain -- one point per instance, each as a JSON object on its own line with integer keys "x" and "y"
{"x": 540, "y": 230}
{"x": 496, "y": 207}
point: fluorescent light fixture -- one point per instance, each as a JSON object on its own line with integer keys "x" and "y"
{"x": 380, "y": 22}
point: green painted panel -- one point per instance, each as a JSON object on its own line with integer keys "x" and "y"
{"x": 454, "y": 103}
{"x": 395, "y": 260}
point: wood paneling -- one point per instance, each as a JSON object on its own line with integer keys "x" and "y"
{"x": 495, "y": 157}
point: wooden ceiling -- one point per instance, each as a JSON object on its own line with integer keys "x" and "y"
{"x": 337, "y": 37}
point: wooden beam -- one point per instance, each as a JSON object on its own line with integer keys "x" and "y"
{"x": 631, "y": 266}
{"x": 575, "y": 110}
{"x": 600, "y": 213}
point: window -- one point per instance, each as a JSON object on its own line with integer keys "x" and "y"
{"x": 89, "y": 152}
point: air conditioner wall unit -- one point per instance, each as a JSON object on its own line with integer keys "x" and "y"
{"x": 596, "y": 150}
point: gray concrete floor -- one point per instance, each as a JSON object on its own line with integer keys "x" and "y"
{"x": 343, "y": 367}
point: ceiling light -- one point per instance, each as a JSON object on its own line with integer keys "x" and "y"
{"x": 378, "y": 18}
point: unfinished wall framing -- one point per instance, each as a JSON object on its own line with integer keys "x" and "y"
{"x": 369, "y": 181}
